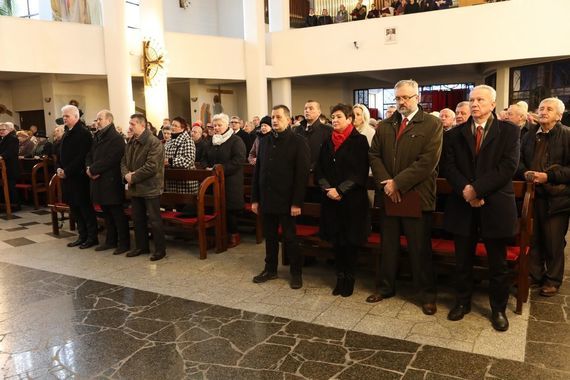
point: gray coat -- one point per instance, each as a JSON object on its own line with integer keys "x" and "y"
{"x": 145, "y": 157}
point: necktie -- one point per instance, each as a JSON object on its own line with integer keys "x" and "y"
{"x": 478, "y": 138}
{"x": 402, "y": 127}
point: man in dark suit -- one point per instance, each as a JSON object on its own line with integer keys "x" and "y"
{"x": 107, "y": 188}
{"x": 403, "y": 157}
{"x": 75, "y": 145}
{"x": 481, "y": 157}
{"x": 278, "y": 190}
{"x": 313, "y": 130}
{"x": 9, "y": 146}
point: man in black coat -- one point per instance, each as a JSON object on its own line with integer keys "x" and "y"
{"x": 107, "y": 188}
{"x": 278, "y": 190}
{"x": 9, "y": 147}
{"x": 545, "y": 160}
{"x": 481, "y": 158}
{"x": 75, "y": 145}
{"x": 313, "y": 130}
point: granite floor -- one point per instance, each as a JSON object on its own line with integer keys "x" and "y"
{"x": 67, "y": 313}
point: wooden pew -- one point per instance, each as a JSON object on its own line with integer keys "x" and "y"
{"x": 5, "y": 189}
{"x": 251, "y": 218}
{"x": 35, "y": 180}
{"x": 208, "y": 202}
{"x": 57, "y": 205}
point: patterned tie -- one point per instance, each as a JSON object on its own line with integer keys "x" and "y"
{"x": 478, "y": 138}
{"x": 402, "y": 127}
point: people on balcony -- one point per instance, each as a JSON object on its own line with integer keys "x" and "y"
{"x": 325, "y": 18}
{"x": 341, "y": 14}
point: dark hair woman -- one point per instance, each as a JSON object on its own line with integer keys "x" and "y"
{"x": 342, "y": 174}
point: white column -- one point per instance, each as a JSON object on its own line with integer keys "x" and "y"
{"x": 281, "y": 92}
{"x": 503, "y": 77}
{"x": 117, "y": 62}
{"x": 156, "y": 96}
{"x": 279, "y": 15}
{"x": 255, "y": 74}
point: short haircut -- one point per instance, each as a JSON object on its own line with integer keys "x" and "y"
{"x": 391, "y": 108}
{"x": 198, "y": 126}
{"x": 74, "y": 110}
{"x": 166, "y": 128}
{"x": 140, "y": 118}
{"x": 488, "y": 88}
{"x": 314, "y": 101}
{"x": 521, "y": 110}
{"x": 346, "y": 109}
{"x": 559, "y": 104}
{"x": 464, "y": 103}
{"x": 408, "y": 82}
{"x": 365, "y": 112}
{"x": 9, "y": 125}
{"x": 225, "y": 119}
{"x": 107, "y": 115}
{"x": 283, "y": 107}
{"x": 182, "y": 121}
{"x": 447, "y": 110}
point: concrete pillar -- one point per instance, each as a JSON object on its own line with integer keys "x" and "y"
{"x": 152, "y": 26}
{"x": 48, "y": 95}
{"x": 117, "y": 62}
{"x": 255, "y": 73}
{"x": 279, "y": 15}
{"x": 281, "y": 92}
{"x": 503, "y": 85}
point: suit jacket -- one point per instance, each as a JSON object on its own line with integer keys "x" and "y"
{"x": 281, "y": 172}
{"x": 490, "y": 173}
{"x": 104, "y": 159}
{"x": 9, "y": 146}
{"x": 75, "y": 144}
{"x": 412, "y": 160}
{"x": 344, "y": 221}
{"x": 316, "y": 135}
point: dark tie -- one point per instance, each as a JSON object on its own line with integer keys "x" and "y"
{"x": 478, "y": 139}
{"x": 402, "y": 127}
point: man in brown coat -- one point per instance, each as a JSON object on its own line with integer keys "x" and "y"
{"x": 403, "y": 157}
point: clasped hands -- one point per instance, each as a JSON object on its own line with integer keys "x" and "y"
{"x": 295, "y": 210}
{"x": 93, "y": 177}
{"x": 470, "y": 196}
{"x": 536, "y": 177}
{"x": 391, "y": 190}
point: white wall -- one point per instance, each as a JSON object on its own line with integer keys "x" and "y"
{"x": 483, "y": 33}
{"x": 230, "y": 18}
{"x": 327, "y": 91}
{"x": 6, "y": 100}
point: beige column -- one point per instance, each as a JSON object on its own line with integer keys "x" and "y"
{"x": 503, "y": 85}
{"x": 48, "y": 95}
{"x": 278, "y": 15}
{"x": 255, "y": 73}
{"x": 152, "y": 26}
{"x": 117, "y": 62}
{"x": 281, "y": 92}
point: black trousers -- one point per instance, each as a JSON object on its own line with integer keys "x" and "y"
{"x": 547, "y": 253}
{"x": 117, "y": 226}
{"x": 498, "y": 271}
{"x": 418, "y": 235}
{"x": 147, "y": 211}
{"x": 84, "y": 216}
{"x": 346, "y": 256}
{"x": 232, "y": 221}
{"x": 271, "y": 224}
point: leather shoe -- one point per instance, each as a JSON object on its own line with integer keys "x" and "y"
{"x": 377, "y": 297}
{"x": 136, "y": 252}
{"x": 548, "y": 291}
{"x": 264, "y": 277}
{"x": 104, "y": 247}
{"x": 340, "y": 279}
{"x": 458, "y": 312}
{"x": 157, "y": 256}
{"x": 88, "y": 244}
{"x": 348, "y": 287}
{"x": 499, "y": 321}
{"x": 75, "y": 243}
{"x": 296, "y": 281}
{"x": 429, "y": 308}
{"x": 120, "y": 251}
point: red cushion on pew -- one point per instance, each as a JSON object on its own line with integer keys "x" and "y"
{"x": 247, "y": 207}
{"x": 443, "y": 246}
{"x": 174, "y": 215}
{"x": 512, "y": 252}
{"x": 374, "y": 238}
{"x": 97, "y": 207}
{"x": 23, "y": 186}
{"x": 304, "y": 230}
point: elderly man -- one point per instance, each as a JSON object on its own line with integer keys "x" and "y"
{"x": 107, "y": 189}
{"x": 481, "y": 157}
{"x": 390, "y": 111}
{"x": 142, "y": 168}
{"x": 447, "y": 118}
{"x": 75, "y": 145}
{"x": 9, "y": 146}
{"x": 404, "y": 166}
{"x": 462, "y": 112}
{"x": 313, "y": 130}
{"x": 197, "y": 135}
{"x": 518, "y": 115}
{"x": 545, "y": 160}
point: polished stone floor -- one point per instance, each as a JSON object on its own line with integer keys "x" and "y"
{"x": 67, "y": 313}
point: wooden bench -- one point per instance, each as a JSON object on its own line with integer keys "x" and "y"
{"x": 35, "y": 180}
{"x": 208, "y": 202}
{"x": 57, "y": 205}
{"x": 5, "y": 189}
{"x": 250, "y": 217}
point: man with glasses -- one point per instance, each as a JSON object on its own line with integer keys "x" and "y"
{"x": 404, "y": 155}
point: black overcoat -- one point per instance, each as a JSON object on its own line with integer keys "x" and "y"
{"x": 104, "y": 159}
{"x": 75, "y": 144}
{"x": 9, "y": 147}
{"x": 231, "y": 155}
{"x": 345, "y": 221}
{"x": 281, "y": 172}
{"x": 490, "y": 173}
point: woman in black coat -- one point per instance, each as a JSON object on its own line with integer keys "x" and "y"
{"x": 228, "y": 149}
{"x": 342, "y": 174}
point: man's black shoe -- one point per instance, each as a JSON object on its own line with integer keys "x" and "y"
{"x": 104, "y": 247}
{"x": 88, "y": 244}
{"x": 119, "y": 251}
{"x": 458, "y": 312}
{"x": 75, "y": 243}
{"x": 157, "y": 256}
{"x": 296, "y": 281}
{"x": 264, "y": 277}
{"x": 499, "y": 321}
{"x": 136, "y": 252}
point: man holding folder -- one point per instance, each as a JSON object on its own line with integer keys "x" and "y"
{"x": 404, "y": 155}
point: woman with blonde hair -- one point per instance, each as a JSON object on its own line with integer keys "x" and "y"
{"x": 362, "y": 122}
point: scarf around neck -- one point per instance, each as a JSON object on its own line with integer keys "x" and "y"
{"x": 338, "y": 138}
{"x": 220, "y": 139}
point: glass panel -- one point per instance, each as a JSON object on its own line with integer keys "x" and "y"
{"x": 34, "y": 7}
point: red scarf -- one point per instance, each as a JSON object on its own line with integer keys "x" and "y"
{"x": 339, "y": 137}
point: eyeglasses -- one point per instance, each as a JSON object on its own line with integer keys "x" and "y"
{"x": 234, "y": 121}
{"x": 404, "y": 98}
